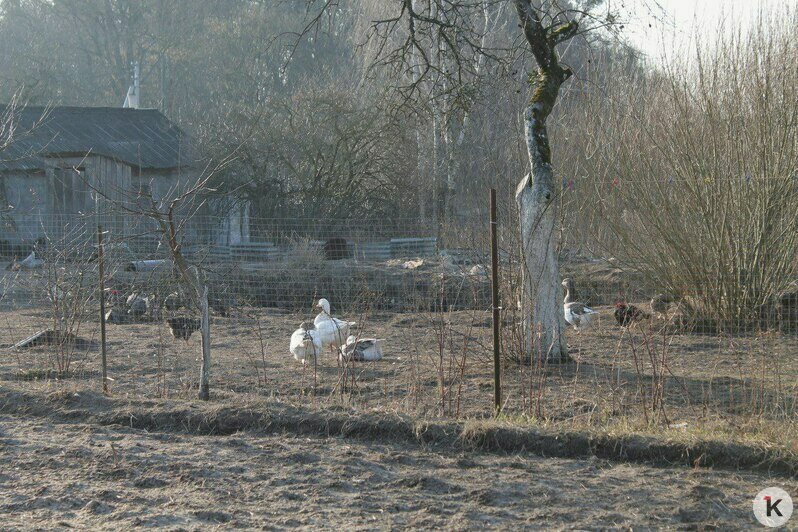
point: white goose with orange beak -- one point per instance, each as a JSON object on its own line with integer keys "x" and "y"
{"x": 332, "y": 331}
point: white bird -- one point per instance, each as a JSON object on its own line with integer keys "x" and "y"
{"x": 576, "y": 313}
{"x": 137, "y": 305}
{"x": 31, "y": 262}
{"x": 365, "y": 349}
{"x": 131, "y": 298}
{"x": 332, "y": 331}
{"x": 116, "y": 316}
{"x": 305, "y": 344}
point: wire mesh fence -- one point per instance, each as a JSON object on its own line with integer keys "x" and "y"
{"x": 422, "y": 288}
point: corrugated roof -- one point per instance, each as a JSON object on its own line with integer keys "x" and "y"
{"x": 140, "y": 137}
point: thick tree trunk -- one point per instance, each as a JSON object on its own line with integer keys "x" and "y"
{"x": 541, "y": 301}
{"x": 537, "y": 199}
{"x": 537, "y": 195}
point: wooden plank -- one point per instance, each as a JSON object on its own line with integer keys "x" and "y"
{"x": 413, "y": 246}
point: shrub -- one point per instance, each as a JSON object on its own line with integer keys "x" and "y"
{"x": 695, "y": 174}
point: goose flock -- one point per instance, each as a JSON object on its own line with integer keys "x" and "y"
{"x": 330, "y": 333}
{"x": 325, "y": 332}
{"x": 139, "y": 307}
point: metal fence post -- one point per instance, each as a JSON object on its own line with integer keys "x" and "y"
{"x": 494, "y": 260}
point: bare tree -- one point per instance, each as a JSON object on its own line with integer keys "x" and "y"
{"x": 7, "y": 123}
{"x": 434, "y": 55}
{"x": 458, "y": 29}
{"x": 706, "y": 206}
{"x": 537, "y": 194}
{"x": 172, "y": 214}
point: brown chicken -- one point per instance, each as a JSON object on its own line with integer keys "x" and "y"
{"x": 625, "y": 314}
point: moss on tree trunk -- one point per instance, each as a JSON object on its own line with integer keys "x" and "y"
{"x": 537, "y": 195}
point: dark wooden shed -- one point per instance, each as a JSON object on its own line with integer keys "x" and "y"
{"x": 58, "y": 156}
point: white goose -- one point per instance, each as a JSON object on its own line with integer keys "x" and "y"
{"x": 576, "y": 313}
{"x": 332, "y": 331}
{"x": 365, "y": 349}
{"x": 305, "y": 344}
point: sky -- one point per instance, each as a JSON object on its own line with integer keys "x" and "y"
{"x": 666, "y": 26}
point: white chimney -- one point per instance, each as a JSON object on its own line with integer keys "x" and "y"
{"x": 132, "y": 99}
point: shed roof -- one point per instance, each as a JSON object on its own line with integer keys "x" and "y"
{"x": 143, "y": 138}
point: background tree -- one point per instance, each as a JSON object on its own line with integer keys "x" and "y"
{"x": 452, "y": 30}
{"x": 537, "y": 193}
{"x": 409, "y": 93}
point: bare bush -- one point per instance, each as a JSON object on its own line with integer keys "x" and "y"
{"x": 694, "y": 175}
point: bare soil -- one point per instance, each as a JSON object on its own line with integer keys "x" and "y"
{"x": 58, "y": 474}
{"x": 71, "y": 458}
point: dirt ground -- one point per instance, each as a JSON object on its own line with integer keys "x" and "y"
{"x": 75, "y": 475}
{"x": 440, "y": 364}
{"x": 72, "y": 472}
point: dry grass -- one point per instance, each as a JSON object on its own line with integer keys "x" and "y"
{"x": 437, "y": 366}
{"x": 707, "y": 447}
{"x": 689, "y": 175}
{"x": 151, "y": 454}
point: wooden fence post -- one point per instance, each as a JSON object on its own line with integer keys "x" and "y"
{"x": 204, "y": 391}
{"x": 101, "y": 268}
{"x": 494, "y": 261}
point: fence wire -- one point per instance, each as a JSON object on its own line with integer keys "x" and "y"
{"x": 421, "y": 287}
